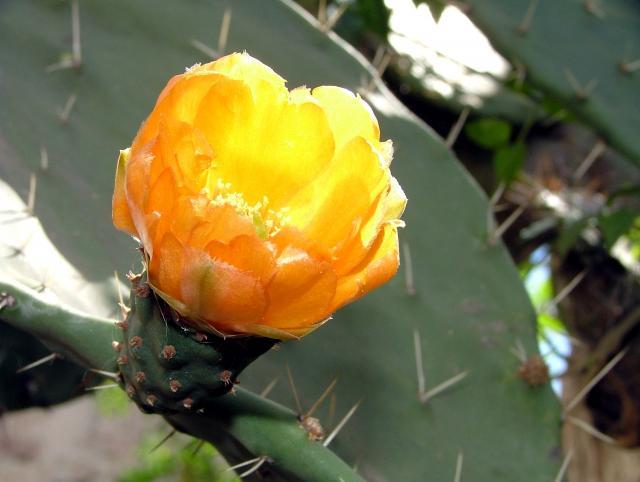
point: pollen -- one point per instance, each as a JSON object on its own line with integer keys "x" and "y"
{"x": 267, "y": 221}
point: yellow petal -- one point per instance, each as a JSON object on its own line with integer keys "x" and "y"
{"x": 244, "y": 67}
{"x": 395, "y": 203}
{"x": 120, "y": 210}
{"x": 332, "y": 209}
{"x": 356, "y": 247}
{"x": 349, "y": 115}
{"x": 239, "y": 129}
{"x": 388, "y": 209}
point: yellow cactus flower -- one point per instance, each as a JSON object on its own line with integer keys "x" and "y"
{"x": 261, "y": 210}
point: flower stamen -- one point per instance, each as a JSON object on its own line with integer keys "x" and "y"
{"x": 267, "y": 221}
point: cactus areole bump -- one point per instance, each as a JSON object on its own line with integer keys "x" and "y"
{"x": 168, "y": 368}
{"x": 260, "y": 210}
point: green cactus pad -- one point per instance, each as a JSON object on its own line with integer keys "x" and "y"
{"x": 168, "y": 368}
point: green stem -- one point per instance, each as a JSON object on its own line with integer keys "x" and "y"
{"x": 80, "y": 337}
{"x": 268, "y": 429}
{"x": 262, "y": 427}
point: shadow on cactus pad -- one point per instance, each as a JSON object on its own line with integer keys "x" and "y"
{"x": 33, "y": 388}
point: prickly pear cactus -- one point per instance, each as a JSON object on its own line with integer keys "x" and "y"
{"x": 458, "y": 290}
{"x": 583, "y": 53}
{"x": 239, "y": 424}
{"x": 167, "y": 368}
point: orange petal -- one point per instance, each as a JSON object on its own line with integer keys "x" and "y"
{"x": 166, "y": 266}
{"x": 291, "y": 237}
{"x": 137, "y": 190}
{"x": 300, "y": 292}
{"x": 161, "y": 193}
{"x": 179, "y": 101}
{"x": 185, "y": 151}
{"x": 194, "y": 156}
{"x": 200, "y": 222}
{"x": 159, "y": 206}
{"x": 247, "y": 253}
{"x": 378, "y": 267}
{"x": 220, "y": 293}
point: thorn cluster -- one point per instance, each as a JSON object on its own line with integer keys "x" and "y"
{"x": 534, "y": 371}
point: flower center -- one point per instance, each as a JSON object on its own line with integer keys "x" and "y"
{"x": 267, "y": 221}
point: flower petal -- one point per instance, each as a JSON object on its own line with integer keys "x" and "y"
{"x": 261, "y": 211}
{"x": 244, "y": 67}
{"x": 349, "y": 115}
{"x": 380, "y": 265}
{"x": 120, "y": 210}
{"x": 395, "y": 203}
{"x": 332, "y": 209}
{"x": 200, "y": 222}
{"x": 300, "y": 292}
{"x": 178, "y": 102}
{"x": 165, "y": 268}
{"x": 298, "y": 136}
{"x": 159, "y": 207}
{"x": 220, "y": 293}
{"x": 248, "y": 253}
